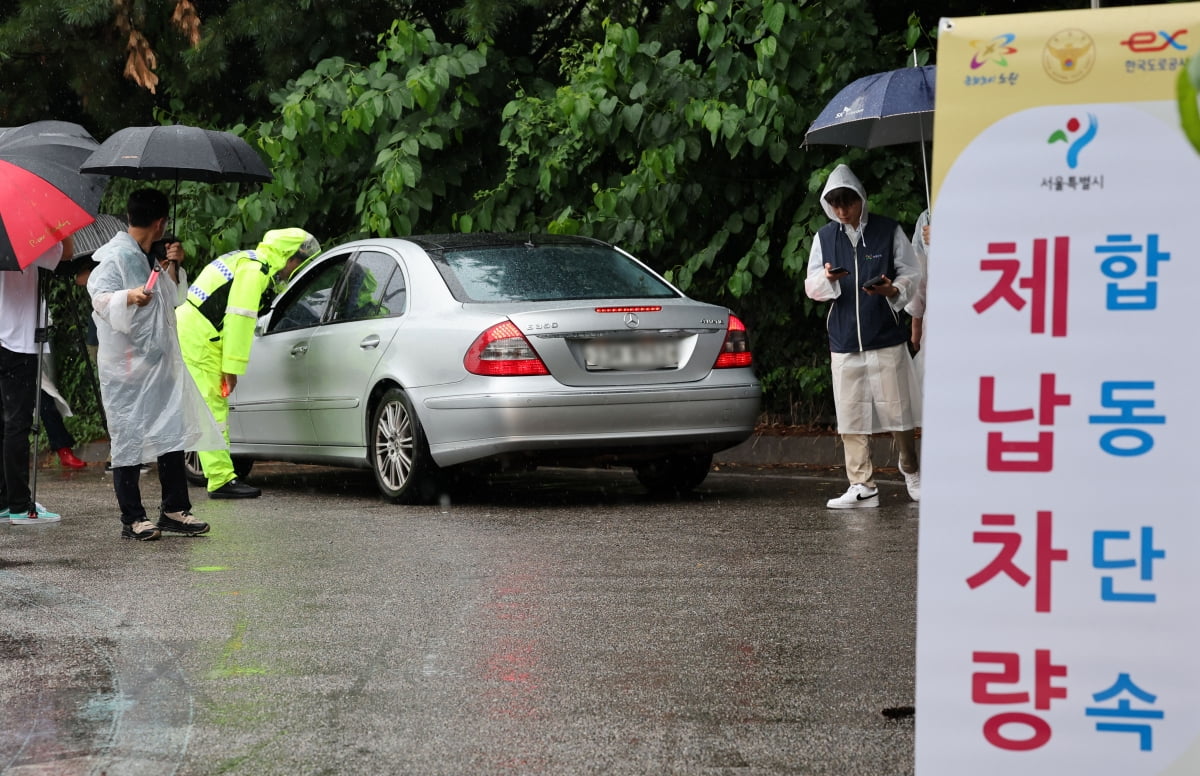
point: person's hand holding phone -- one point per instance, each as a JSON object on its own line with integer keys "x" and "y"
{"x": 834, "y": 273}
{"x": 880, "y": 285}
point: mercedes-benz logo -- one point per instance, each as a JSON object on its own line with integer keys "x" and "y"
{"x": 631, "y": 321}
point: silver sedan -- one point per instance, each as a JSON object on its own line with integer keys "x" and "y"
{"x": 429, "y": 355}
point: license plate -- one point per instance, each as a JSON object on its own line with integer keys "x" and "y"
{"x": 631, "y": 354}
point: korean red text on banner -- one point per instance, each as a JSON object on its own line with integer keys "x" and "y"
{"x": 1005, "y": 560}
{"x": 1046, "y": 282}
{"x": 1020, "y": 456}
{"x": 1001, "y": 729}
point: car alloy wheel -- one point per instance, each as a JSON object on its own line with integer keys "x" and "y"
{"x": 400, "y": 459}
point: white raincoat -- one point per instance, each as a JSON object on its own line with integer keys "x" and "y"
{"x": 874, "y": 390}
{"x": 916, "y": 306}
{"x": 152, "y": 404}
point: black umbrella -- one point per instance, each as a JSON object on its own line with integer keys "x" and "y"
{"x": 179, "y": 153}
{"x": 43, "y": 198}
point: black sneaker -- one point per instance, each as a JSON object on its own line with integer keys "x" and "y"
{"x": 235, "y": 489}
{"x": 142, "y": 530}
{"x": 181, "y": 522}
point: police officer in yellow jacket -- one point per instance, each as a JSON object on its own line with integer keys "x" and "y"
{"x": 216, "y": 328}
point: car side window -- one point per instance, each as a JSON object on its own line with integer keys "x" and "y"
{"x": 305, "y": 303}
{"x": 395, "y": 295}
{"x": 364, "y": 291}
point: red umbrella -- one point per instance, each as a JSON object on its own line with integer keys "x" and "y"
{"x": 43, "y": 196}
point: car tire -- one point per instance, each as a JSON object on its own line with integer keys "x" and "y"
{"x": 675, "y": 475}
{"x": 399, "y": 453}
{"x": 195, "y": 472}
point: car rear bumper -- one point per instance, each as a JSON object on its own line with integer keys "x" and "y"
{"x": 610, "y": 423}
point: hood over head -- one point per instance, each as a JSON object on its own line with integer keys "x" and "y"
{"x": 842, "y": 178}
{"x": 279, "y": 245}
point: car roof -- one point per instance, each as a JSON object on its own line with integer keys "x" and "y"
{"x": 445, "y": 242}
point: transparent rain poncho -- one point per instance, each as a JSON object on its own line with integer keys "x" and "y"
{"x": 152, "y": 404}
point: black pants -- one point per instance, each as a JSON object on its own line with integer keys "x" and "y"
{"x": 52, "y": 420}
{"x": 18, "y": 390}
{"x": 172, "y": 478}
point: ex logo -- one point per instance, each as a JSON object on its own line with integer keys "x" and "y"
{"x": 1148, "y": 40}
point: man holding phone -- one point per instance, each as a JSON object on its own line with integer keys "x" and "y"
{"x": 864, "y": 265}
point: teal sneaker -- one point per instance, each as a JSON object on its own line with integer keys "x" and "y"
{"x": 42, "y": 517}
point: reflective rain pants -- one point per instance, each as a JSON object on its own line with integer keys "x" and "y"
{"x": 203, "y": 358}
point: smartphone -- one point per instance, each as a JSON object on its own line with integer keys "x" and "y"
{"x": 839, "y": 271}
{"x": 878, "y": 280}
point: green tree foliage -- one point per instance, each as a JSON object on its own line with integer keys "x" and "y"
{"x": 691, "y": 157}
{"x": 671, "y": 127}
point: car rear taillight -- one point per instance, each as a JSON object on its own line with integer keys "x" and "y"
{"x": 502, "y": 351}
{"x": 735, "y": 351}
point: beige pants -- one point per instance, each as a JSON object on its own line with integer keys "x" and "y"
{"x": 859, "y": 468}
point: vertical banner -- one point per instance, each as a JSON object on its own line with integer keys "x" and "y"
{"x": 1059, "y": 576}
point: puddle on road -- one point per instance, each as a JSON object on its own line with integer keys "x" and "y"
{"x": 74, "y": 697}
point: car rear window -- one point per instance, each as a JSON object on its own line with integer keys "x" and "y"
{"x": 524, "y": 273}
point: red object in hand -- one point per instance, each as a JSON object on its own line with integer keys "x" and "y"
{"x": 224, "y": 388}
{"x": 153, "y": 278}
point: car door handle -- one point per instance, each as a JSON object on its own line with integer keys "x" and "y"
{"x": 370, "y": 342}
{"x": 299, "y": 350}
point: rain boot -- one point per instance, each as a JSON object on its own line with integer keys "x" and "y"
{"x": 68, "y": 459}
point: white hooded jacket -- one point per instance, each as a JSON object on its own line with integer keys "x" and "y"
{"x": 908, "y": 271}
{"x": 874, "y": 390}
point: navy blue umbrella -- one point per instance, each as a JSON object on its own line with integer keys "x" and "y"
{"x": 878, "y": 110}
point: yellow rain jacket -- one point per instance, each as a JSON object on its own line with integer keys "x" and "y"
{"x": 227, "y": 295}
{"x": 216, "y": 327}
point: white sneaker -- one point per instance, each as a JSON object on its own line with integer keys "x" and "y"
{"x": 43, "y": 516}
{"x": 913, "y": 483}
{"x": 857, "y": 497}
{"x": 3, "y": 516}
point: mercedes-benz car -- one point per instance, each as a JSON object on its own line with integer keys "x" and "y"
{"x": 429, "y": 355}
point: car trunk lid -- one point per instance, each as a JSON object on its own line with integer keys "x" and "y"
{"x": 626, "y": 344}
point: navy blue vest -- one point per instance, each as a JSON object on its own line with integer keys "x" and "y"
{"x": 858, "y": 321}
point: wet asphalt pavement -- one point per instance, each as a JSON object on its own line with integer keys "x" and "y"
{"x": 559, "y": 622}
